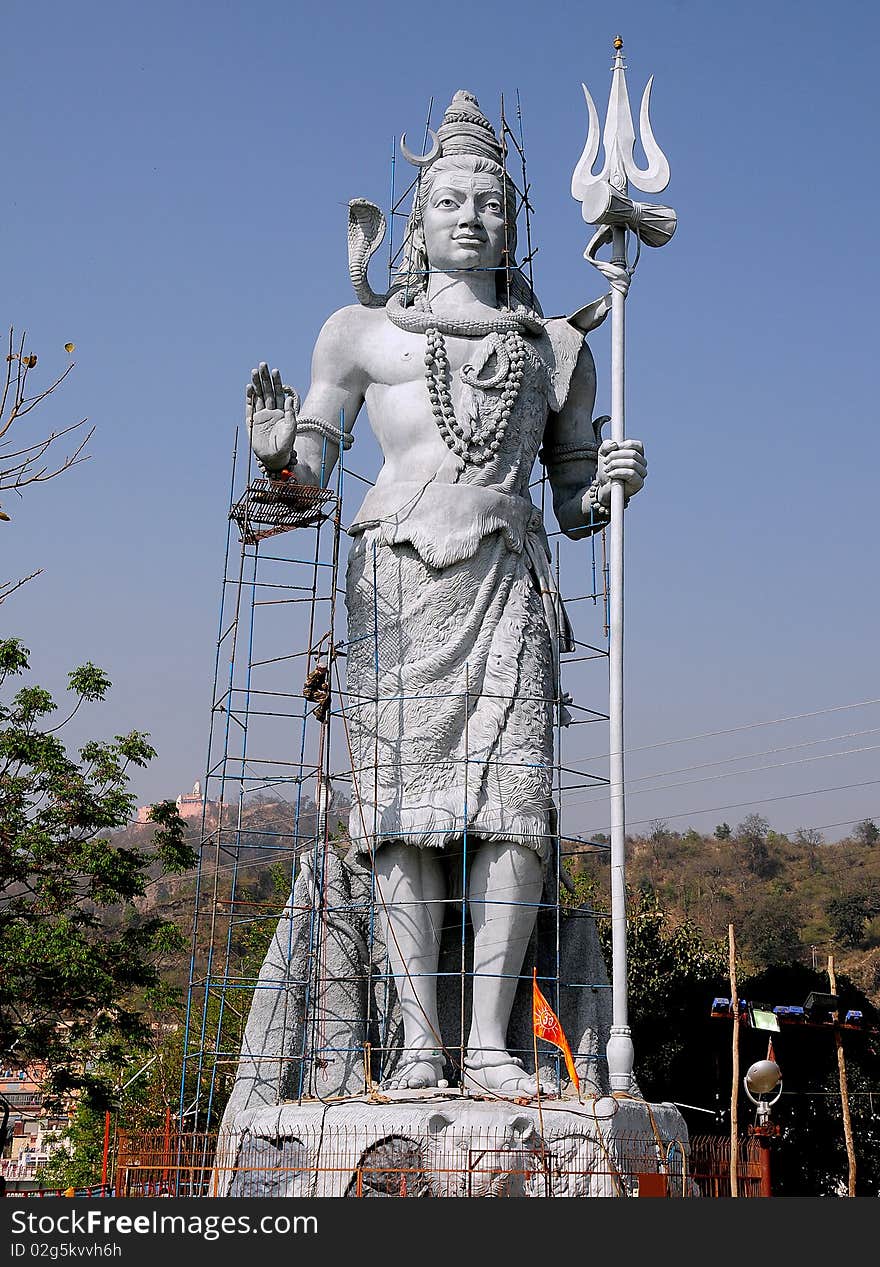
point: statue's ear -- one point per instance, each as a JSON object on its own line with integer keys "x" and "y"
{"x": 438, "y": 1122}
{"x": 524, "y": 1128}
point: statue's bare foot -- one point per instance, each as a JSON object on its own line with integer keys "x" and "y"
{"x": 416, "y": 1074}
{"x": 499, "y": 1073}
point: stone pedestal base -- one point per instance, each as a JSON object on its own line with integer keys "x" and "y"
{"x": 445, "y": 1144}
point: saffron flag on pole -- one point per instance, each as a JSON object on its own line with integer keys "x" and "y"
{"x": 545, "y": 1024}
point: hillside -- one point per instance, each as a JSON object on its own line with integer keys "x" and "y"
{"x": 791, "y": 899}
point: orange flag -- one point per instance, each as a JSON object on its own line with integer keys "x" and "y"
{"x": 545, "y": 1024}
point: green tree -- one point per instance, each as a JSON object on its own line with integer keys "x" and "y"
{"x": 723, "y": 831}
{"x": 751, "y": 835}
{"x": 77, "y": 954}
{"x": 674, "y": 972}
{"x": 810, "y": 840}
{"x": 866, "y": 832}
{"x": 770, "y": 929}
{"x": 848, "y": 913}
{"x": 76, "y": 1158}
{"x": 672, "y": 969}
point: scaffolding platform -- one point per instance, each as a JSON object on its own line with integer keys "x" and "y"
{"x": 272, "y": 506}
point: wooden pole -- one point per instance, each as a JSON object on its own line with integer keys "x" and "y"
{"x": 166, "y": 1152}
{"x": 106, "y": 1156}
{"x": 844, "y": 1092}
{"x": 538, "y": 1084}
{"x": 734, "y": 1094}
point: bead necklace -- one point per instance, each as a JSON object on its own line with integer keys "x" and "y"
{"x": 481, "y": 441}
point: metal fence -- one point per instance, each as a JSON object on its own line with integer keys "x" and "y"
{"x": 351, "y": 1163}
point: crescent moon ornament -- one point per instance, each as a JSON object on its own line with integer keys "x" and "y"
{"x": 421, "y": 160}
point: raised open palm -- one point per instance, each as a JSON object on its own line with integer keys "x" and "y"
{"x": 270, "y": 414}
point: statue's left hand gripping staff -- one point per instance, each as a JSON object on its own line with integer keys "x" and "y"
{"x": 271, "y": 409}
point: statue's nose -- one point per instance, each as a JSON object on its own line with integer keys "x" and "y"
{"x": 468, "y": 212}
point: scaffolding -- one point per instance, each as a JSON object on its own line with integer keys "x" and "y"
{"x": 280, "y": 773}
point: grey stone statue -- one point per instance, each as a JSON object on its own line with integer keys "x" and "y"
{"x": 464, "y": 381}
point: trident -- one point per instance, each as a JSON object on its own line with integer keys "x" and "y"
{"x": 605, "y": 203}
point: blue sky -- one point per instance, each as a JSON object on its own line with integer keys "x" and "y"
{"x": 174, "y": 203}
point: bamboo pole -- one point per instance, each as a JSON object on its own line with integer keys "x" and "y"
{"x": 844, "y": 1092}
{"x": 106, "y": 1157}
{"x": 538, "y": 1084}
{"x": 734, "y": 1094}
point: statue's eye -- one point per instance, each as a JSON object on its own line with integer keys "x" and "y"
{"x": 446, "y": 203}
{"x": 493, "y": 204}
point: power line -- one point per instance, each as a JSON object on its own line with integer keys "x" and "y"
{"x": 734, "y": 730}
{"x": 749, "y": 756}
{"x": 767, "y": 800}
{"x": 728, "y": 774}
{"x": 848, "y": 822}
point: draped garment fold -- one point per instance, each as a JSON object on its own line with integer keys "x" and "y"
{"x": 452, "y": 684}
{"x": 454, "y": 634}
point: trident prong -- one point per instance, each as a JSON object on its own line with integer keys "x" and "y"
{"x": 619, "y": 140}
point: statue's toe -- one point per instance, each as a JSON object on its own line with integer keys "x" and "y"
{"x": 499, "y": 1074}
{"x": 415, "y": 1075}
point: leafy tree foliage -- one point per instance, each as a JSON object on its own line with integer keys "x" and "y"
{"x": 76, "y": 1160}
{"x": 751, "y": 835}
{"x": 672, "y": 970}
{"x": 674, "y": 973}
{"x": 684, "y": 1055}
{"x": 848, "y": 913}
{"x": 866, "y": 832}
{"x": 771, "y": 928}
{"x": 77, "y": 955}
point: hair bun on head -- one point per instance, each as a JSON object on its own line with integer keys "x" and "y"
{"x": 466, "y": 130}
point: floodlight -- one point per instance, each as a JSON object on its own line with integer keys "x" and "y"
{"x": 790, "y": 1014}
{"x": 818, "y": 1003}
{"x": 762, "y": 1079}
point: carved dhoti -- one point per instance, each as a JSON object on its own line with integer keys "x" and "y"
{"x": 451, "y": 691}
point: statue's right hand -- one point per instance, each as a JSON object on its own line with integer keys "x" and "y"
{"x": 270, "y": 414}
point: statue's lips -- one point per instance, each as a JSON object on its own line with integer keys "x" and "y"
{"x": 469, "y": 241}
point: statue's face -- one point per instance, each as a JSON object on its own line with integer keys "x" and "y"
{"x": 463, "y": 220}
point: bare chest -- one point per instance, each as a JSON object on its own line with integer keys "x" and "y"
{"x": 396, "y": 358}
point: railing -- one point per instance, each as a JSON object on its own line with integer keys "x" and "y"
{"x": 18, "y": 1169}
{"x": 710, "y": 1165}
{"x": 351, "y": 1163}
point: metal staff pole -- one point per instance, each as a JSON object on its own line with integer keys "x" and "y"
{"x": 605, "y": 202}
{"x": 620, "y": 1047}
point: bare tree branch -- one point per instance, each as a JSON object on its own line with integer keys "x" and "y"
{"x": 19, "y": 474}
{"x": 8, "y": 587}
{"x": 25, "y": 464}
{"x": 15, "y": 404}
